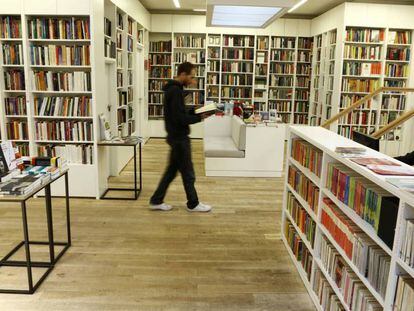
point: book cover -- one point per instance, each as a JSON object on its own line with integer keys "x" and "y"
{"x": 391, "y": 170}
{"x": 373, "y": 161}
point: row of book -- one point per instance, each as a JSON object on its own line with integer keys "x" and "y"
{"x": 303, "y": 69}
{"x": 63, "y": 106}
{"x": 160, "y": 46}
{"x": 160, "y": 59}
{"x": 237, "y": 80}
{"x": 394, "y": 102}
{"x": 302, "y": 95}
{"x": 238, "y": 40}
{"x": 370, "y": 202}
{"x": 228, "y": 66}
{"x": 357, "y": 117}
{"x": 213, "y": 52}
{"x": 281, "y": 106}
{"x": 197, "y": 57}
{"x": 119, "y": 79}
{"x": 388, "y": 116}
{"x": 301, "y": 107}
{"x": 354, "y": 293}
{"x": 283, "y": 43}
{"x": 348, "y": 99}
{"x": 190, "y": 41}
{"x": 73, "y": 28}
{"x": 362, "y": 52}
{"x": 156, "y": 98}
{"x": 280, "y": 94}
{"x": 326, "y": 296}
{"x": 10, "y": 27}
{"x": 76, "y": 131}
{"x": 156, "y": 85}
{"x": 52, "y": 55}
{"x": 390, "y": 82}
{"x": 15, "y": 106}
{"x": 304, "y": 56}
{"x": 23, "y": 149}
{"x": 370, "y": 260}
{"x": 302, "y": 219}
{"x": 364, "y": 35}
{"x": 262, "y": 43}
{"x": 160, "y": 72}
{"x": 283, "y": 55}
{"x": 109, "y": 48}
{"x": 361, "y": 69}
{"x": 77, "y": 81}
{"x": 14, "y": 80}
{"x": 213, "y": 78}
{"x": 300, "y": 251}
{"x": 229, "y": 92}
{"x": 213, "y": 65}
{"x": 282, "y": 68}
{"x": 404, "y": 295}
{"x": 307, "y": 155}
{"x": 240, "y": 54}
{"x": 17, "y": 130}
{"x": 75, "y": 154}
{"x": 12, "y": 54}
{"x": 281, "y": 81}
{"x": 155, "y": 111}
{"x": 399, "y": 54}
{"x": 303, "y": 82}
{"x": 360, "y": 85}
{"x": 400, "y": 37}
{"x": 304, "y": 187}
{"x": 397, "y": 70}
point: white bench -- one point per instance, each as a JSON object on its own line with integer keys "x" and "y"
{"x": 233, "y": 149}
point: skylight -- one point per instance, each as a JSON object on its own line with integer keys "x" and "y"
{"x": 242, "y": 16}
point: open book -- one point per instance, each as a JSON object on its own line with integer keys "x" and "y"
{"x": 207, "y": 108}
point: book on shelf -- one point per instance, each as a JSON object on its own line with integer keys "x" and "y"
{"x": 107, "y": 27}
{"x": 12, "y": 54}
{"x": 77, "y": 81}
{"x": 73, "y": 28}
{"x": 63, "y": 106}
{"x": 326, "y": 296}
{"x": 304, "y": 187}
{"x": 14, "y": 80}
{"x": 307, "y": 155}
{"x": 65, "y": 131}
{"x": 407, "y": 242}
{"x": 53, "y": 55}
{"x": 370, "y": 202}
{"x": 15, "y": 106}
{"x": 404, "y": 296}
{"x": 10, "y": 27}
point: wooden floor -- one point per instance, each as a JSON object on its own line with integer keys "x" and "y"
{"x": 125, "y": 257}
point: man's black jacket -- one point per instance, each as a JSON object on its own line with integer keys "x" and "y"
{"x": 177, "y": 119}
{"x": 407, "y": 159}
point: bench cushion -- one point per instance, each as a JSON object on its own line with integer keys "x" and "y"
{"x": 238, "y": 132}
{"x": 221, "y": 147}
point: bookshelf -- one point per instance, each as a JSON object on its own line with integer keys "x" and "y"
{"x": 261, "y": 73}
{"x": 330, "y": 235}
{"x": 213, "y": 67}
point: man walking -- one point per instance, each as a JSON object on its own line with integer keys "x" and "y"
{"x": 177, "y": 124}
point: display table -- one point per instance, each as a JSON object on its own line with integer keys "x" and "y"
{"x": 131, "y": 142}
{"x": 232, "y": 148}
{"x": 6, "y": 261}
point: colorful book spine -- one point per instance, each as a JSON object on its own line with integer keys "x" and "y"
{"x": 73, "y": 131}
{"x": 73, "y": 28}
{"x": 15, "y": 106}
{"x": 304, "y": 187}
{"x": 63, "y": 106}
{"x": 77, "y": 81}
{"x": 17, "y": 130}
{"x": 60, "y": 55}
{"x": 12, "y": 54}
{"x": 10, "y": 27}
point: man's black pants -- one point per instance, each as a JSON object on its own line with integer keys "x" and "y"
{"x": 180, "y": 160}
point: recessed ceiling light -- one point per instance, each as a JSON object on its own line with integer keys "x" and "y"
{"x": 242, "y": 16}
{"x": 177, "y": 4}
{"x": 300, "y": 3}
{"x": 199, "y": 10}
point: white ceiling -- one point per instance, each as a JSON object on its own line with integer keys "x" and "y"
{"x": 309, "y": 9}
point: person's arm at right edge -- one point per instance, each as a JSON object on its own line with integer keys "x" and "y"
{"x": 407, "y": 159}
{"x": 178, "y": 112}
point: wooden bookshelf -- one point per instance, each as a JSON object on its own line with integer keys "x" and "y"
{"x": 308, "y": 217}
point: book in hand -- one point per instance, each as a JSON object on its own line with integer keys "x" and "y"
{"x": 210, "y": 108}
{"x": 391, "y": 170}
{"x": 373, "y": 161}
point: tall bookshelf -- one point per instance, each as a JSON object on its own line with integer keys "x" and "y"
{"x": 370, "y": 252}
{"x": 237, "y": 68}
{"x": 15, "y": 126}
{"x": 330, "y": 64}
{"x": 192, "y": 48}
{"x": 261, "y": 73}
{"x": 161, "y": 70}
{"x": 213, "y": 67}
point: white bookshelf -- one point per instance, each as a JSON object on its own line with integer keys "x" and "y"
{"x": 327, "y": 146}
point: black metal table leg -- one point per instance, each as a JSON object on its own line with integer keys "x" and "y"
{"x": 69, "y": 234}
{"x": 135, "y": 173}
{"x": 27, "y": 246}
{"x": 49, "y": 220}
{"x": 140, "y": 167}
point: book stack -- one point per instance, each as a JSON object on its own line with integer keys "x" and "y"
{"x": 326, "y": 296}
{"x": 63, "y": 106}
{"x": 298, "y": 248}
{"x": 62, "y": 55}
{"x": 77, "y": 81}
{"x": 307, "y": 155}
{"x": 404, "y": 296}
{"x": 304, "y": 187}
{"x": 73, "y": 28}
{"x": 377, "y": 207}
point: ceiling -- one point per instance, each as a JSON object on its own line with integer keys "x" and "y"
{"x": 310, "y": 9}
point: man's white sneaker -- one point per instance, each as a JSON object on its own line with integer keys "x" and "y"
{"x": 203, "y": 208}
{"x": 160, "y": 207}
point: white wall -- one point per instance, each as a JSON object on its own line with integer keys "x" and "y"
{"x": 332, "y": 19}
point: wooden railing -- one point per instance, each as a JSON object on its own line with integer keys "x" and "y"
{"x": 389, "y": 127}
{"x": 366, "y": 98}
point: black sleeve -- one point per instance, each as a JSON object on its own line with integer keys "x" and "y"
{"x": 407, "y": 159}
{"x": 178, "y": 113}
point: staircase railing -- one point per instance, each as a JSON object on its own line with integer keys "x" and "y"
{"x": 392, "y": 125}
{"x": 366, "y": 98}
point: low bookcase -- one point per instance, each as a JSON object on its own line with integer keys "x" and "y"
{"x": 348, "y": 231}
